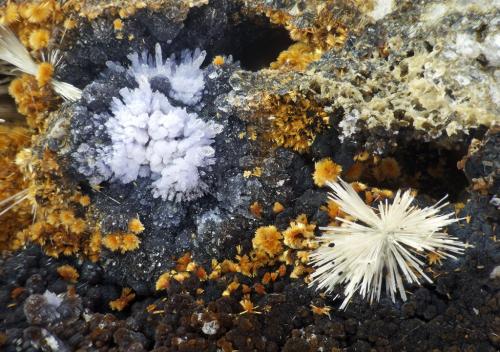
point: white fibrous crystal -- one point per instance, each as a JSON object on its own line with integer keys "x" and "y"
{"x": 187, "y": 79}
{"x": 153, "y": 138}
{"x": 380, "y": 247}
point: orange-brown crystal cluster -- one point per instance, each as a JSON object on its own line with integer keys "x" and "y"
{"x": 282, "y": 252}
{"x": 299, "y": 234}
{"x": 33, "y": 100}
{"x": 373, "y": 168}
{"x": 61, "y": 223}
{"x": 183, "y": 269}
{"x": 125, "y": 241}
{"x": 295, "y": 119}
{"x": 325, "y": 171}
{"x": 123, "y": 301}
{"x": 59, "y": 220}
{"x": 68, "y": 273}
{"x": 268, "y": 240}
{"x": 13, "y": 187}
{"x": 297, "y": 57}
{"x": 332, "y": 22}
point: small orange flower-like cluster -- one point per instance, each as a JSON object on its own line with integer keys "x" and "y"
{"x": 434, "y": 258}
{"x": 135, "y": 226}
{"x": 44, "y": 74}
{"x": 68, "y": 273}
{"x": 248, "y": 306}
{"x": 325, "y": 171}
{"x": 300, "y": 234}
{"x": 118, "y": 24}
{"x": 295, "y": 119}
{"x": 123, "y": 301}
{"x": 297, "y": 57}
{"x": 218, "y": 60}
{"x": 268, "y": 240}
{"x": 39, "y": 39}
{"x": 324, "y": 310}
{"x": 332, "y": 209}
{"x": 125, "y": 241}
{"x": 163, "y": 282}
{"x": 278, "y": 207}
{"x": 256, "y": 209}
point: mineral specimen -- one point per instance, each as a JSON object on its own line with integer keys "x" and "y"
{"x": 115, "y": 242}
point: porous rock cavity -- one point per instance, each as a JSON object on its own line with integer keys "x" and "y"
{"x": 429, "y": 67}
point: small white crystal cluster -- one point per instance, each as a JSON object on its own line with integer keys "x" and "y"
{"x": 153, "y": 138}
{"x": 468, "y": 46}
{"x": 348, "y": 125}
{"x": 381, "y": 8}
{"x": 185, "y": 78}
